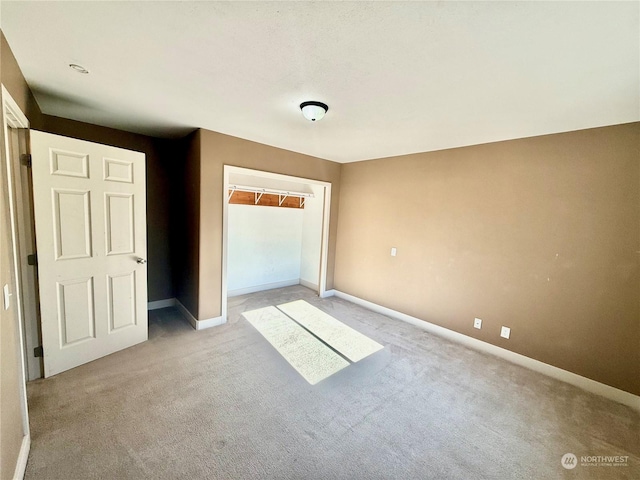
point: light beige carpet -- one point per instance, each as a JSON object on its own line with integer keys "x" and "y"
{"x": 344, "y": 339}
{"x": 224, "y": 404}
{"x": 314, "y": 360}
{"x": 312, "y": 341}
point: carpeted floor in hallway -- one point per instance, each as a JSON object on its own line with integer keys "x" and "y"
{"x": 223, "y": 404}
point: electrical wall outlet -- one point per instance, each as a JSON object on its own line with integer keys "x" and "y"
{"x": 394, "y": 251}
{"x": 477, "y": 323}
{"x": 505, "y": 332}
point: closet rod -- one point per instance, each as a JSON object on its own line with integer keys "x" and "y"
{"x": 241, "y": 188}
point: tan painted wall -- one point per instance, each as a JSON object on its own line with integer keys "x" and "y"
{"x": 218, "y": 150}
{"x": 11, "y": 432}
{"x": 540, "y": 234}
{"x": 15, "y": 83}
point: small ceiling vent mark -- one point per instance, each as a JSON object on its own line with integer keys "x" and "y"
{"x": 313, "y": 111}
{"x": 78, "y": 68}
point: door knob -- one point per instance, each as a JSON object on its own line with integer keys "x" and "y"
{"x": 141, "y": 261}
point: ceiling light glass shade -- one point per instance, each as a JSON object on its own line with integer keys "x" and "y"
{"x": 78, "y": 68}
{"x": 313, "y": 111}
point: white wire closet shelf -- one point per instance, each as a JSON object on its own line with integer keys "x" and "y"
{"x": 258, "y": 192}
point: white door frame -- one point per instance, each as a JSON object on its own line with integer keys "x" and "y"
{"x": 324, "y": 251}
{"x": 25, "y": 227}
{"x": 13, "y": 117}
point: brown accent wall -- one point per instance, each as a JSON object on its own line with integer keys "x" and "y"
{"x": 185, "y": 220}
{"x": 159, "y": 157}
{"x": 541, "y": 235}
{"x": 217, "y": 150}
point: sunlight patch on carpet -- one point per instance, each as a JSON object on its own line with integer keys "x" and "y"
{"x": 310, "y": 357}
{"x": 342, "y": 338}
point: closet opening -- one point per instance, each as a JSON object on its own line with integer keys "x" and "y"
{"x": 275, "y": 232}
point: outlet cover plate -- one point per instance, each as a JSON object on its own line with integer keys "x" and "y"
{"x": 477, "y": 323}
{"x": 505, "y": 332}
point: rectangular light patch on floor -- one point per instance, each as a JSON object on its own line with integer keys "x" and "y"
{"x": 344, "y": 339}
{"x": 310, "y": 357}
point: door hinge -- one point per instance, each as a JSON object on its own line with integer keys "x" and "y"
{"x": 25, "y": 159}
{"x": 32, "y": 259}
{"x": 38, "y": 352}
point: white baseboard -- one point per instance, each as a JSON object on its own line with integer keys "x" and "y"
{"x": 21, "y": 463}
{"x": 265, "y": 286}
{"x": 186, "y": 314}
{"x": 210, "y": 322}
{"x": 198, "y": 324}
{"x": 167, "y": 302}
{"x": 309, "y": 285}
{"x": 574, "y": 379}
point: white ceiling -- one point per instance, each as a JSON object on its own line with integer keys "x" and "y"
{"x": 398, "y": 77}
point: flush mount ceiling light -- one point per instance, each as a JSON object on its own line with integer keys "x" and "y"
{"x": 313, "y": 111}
{"x": 78, "y": 68}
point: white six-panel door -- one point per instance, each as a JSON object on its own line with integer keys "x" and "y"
{"x": 90, "y": 215}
